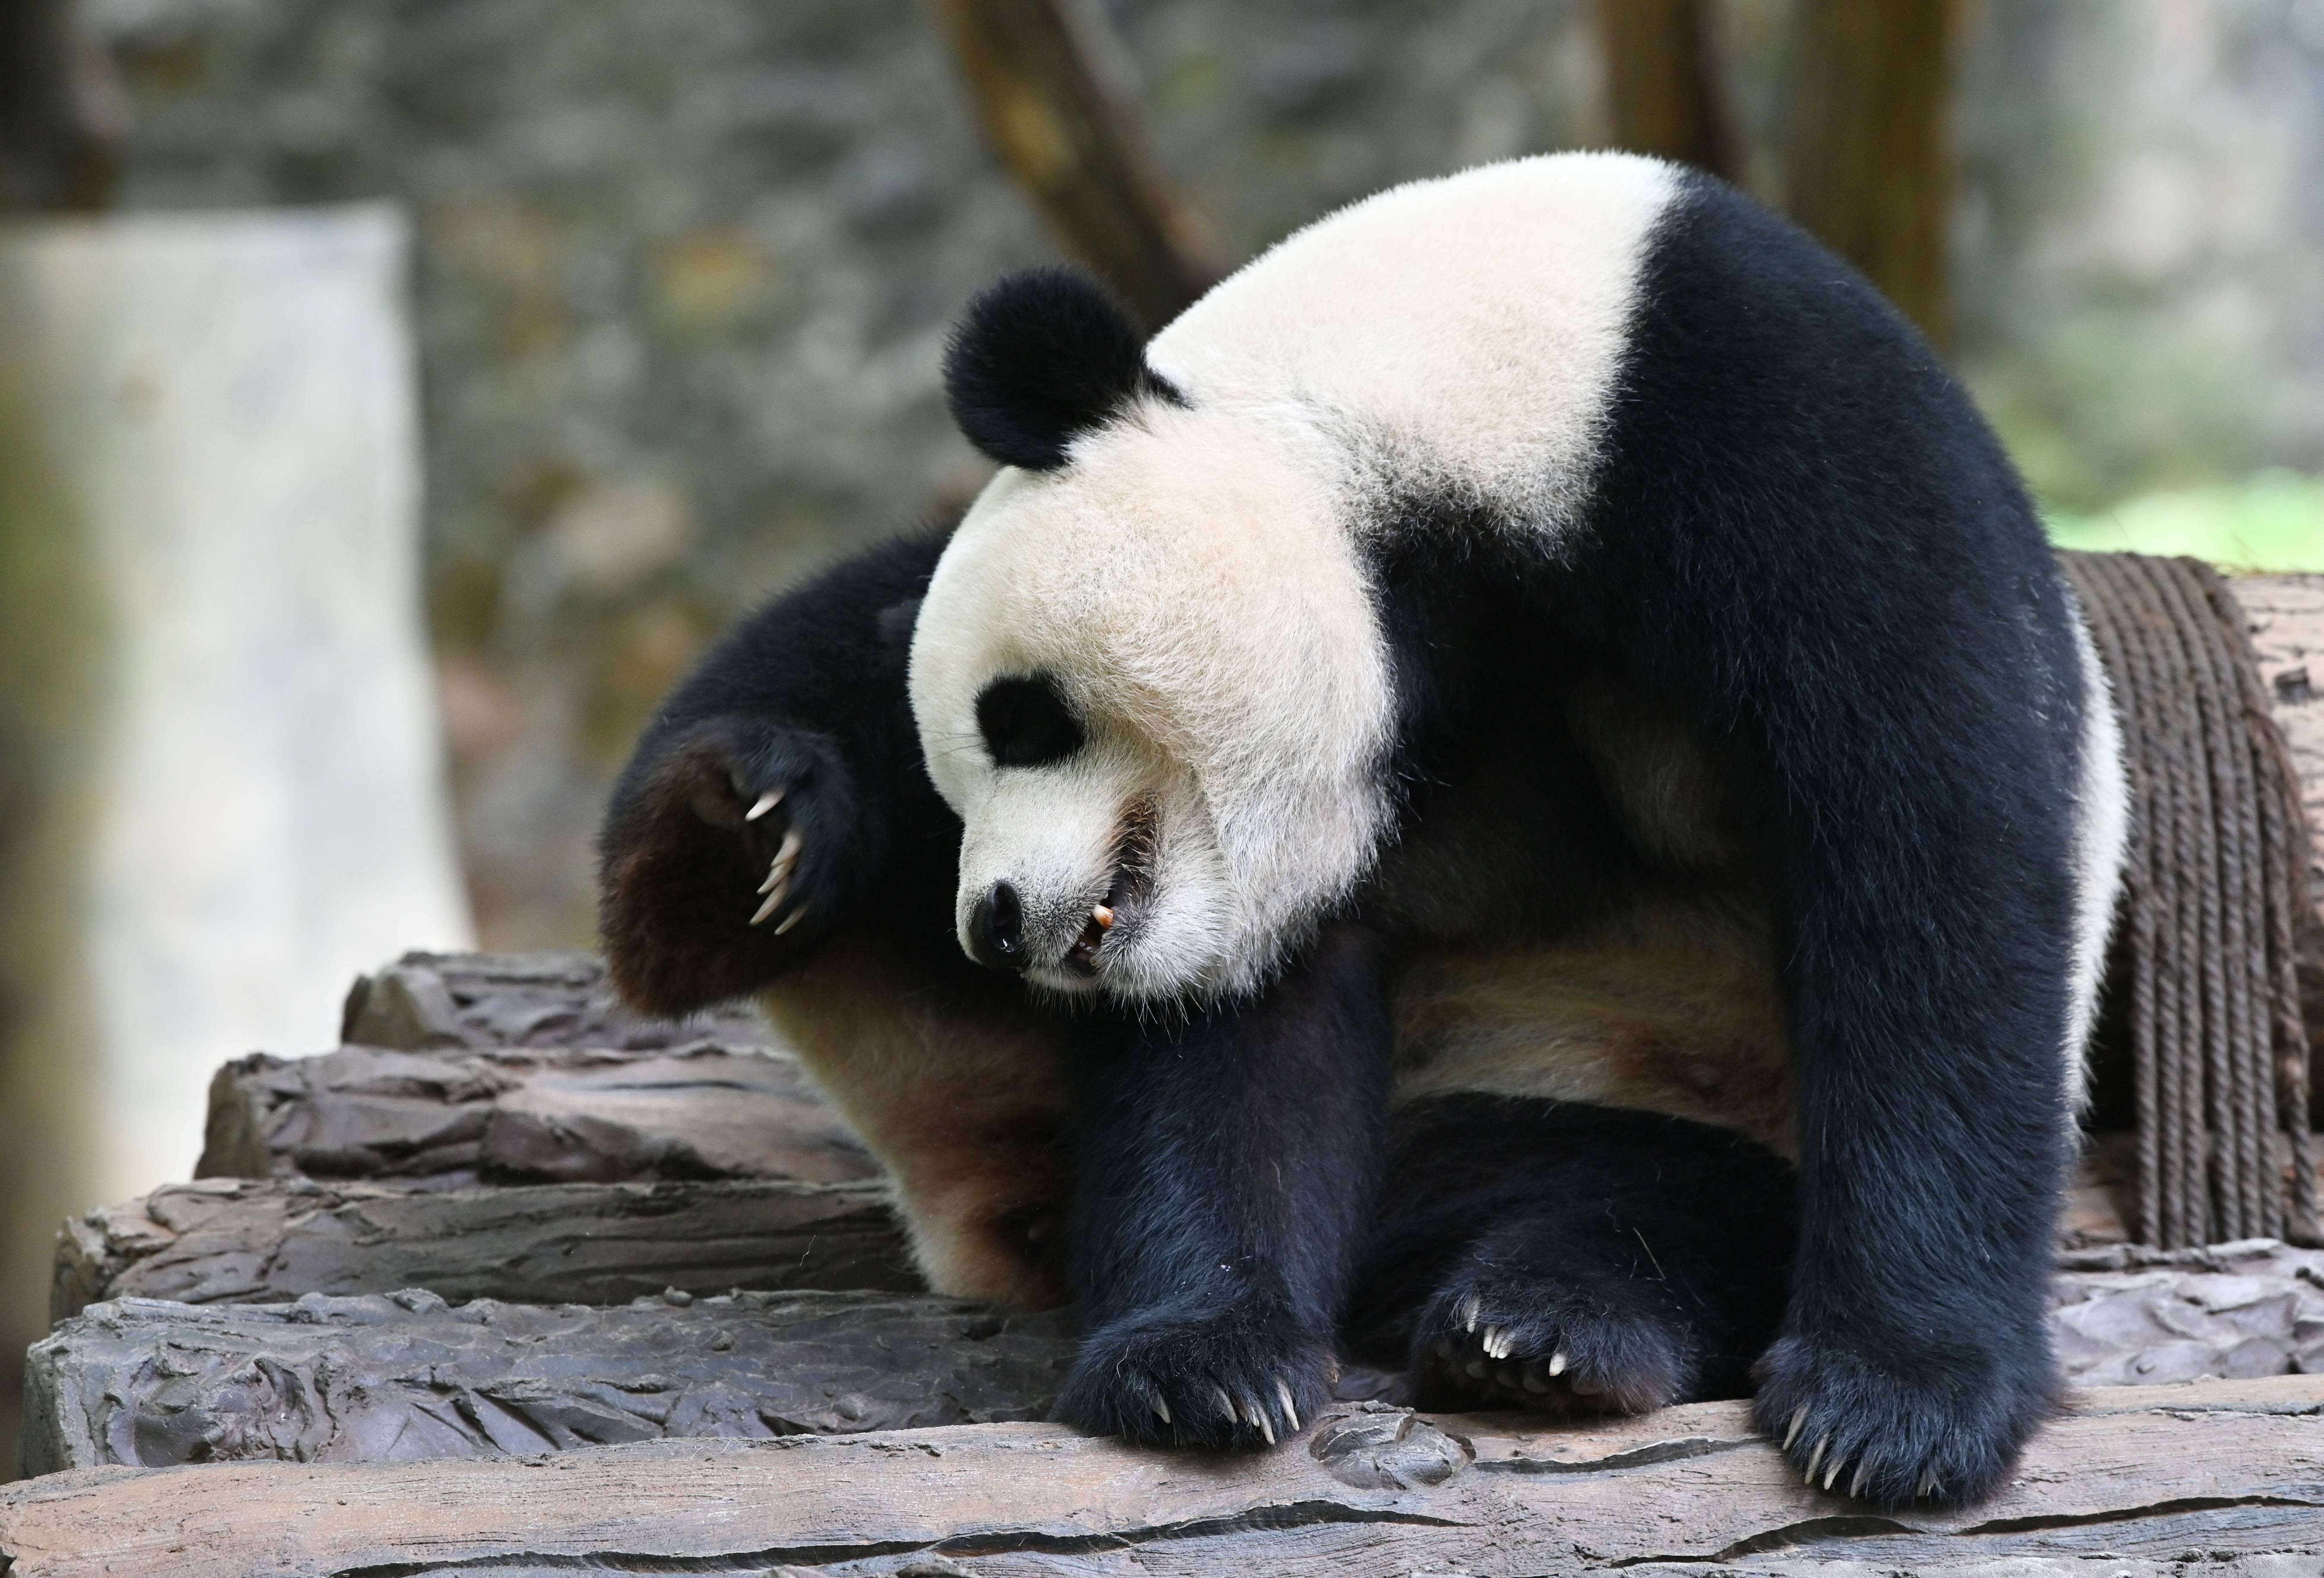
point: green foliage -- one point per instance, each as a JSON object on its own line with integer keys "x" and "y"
{"x": 2273, "y": 521}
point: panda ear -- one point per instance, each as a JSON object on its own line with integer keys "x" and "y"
{"x": 1041, "y": 356}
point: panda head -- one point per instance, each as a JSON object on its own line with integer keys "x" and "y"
{"x": 1146, "y": 674}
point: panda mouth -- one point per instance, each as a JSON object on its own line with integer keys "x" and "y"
{"x": 1133, "y": 879}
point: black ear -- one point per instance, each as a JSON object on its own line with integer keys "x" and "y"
{"x": 1041, "y": 355}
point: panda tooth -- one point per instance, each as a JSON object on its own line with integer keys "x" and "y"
{"x": 1104, "y": 917}
{"x": 767, "y": 803}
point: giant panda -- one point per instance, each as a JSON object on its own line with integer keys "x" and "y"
{"x": 1564, "y": 555}
{"x": 776, "y": 835}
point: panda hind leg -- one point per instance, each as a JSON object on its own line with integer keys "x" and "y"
{"x": 1568, "y": 1257}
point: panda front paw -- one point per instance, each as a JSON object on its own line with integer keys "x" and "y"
{"x": 1533, "y": 1340}
{"x": 1935, "y": 1428}
{"x": 718, "y": 853}
{"x": 1240, "y": 1380}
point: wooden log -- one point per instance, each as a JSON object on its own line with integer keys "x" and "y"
{"x": 557, "y": 999}
{"x": 2137, "y": 1473}
{"x": 2285, "y": 617}
{"x": 263, "y": 1242}
{"x": 148, "y": 1383}
{"x": 456, "y": 1118}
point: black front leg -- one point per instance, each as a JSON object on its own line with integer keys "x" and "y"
{"x": 1225, "y": 1167}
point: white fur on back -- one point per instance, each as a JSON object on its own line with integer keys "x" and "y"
{"x": 1476, "y": 321}
{"x": 2102, "y": 828}
{"x": 1193, "y": 579}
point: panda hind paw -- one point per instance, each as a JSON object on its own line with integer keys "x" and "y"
{"x": 1539, "y": 1343}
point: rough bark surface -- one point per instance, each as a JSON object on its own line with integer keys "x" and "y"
{"x": 264, "y": 1241}
{"x": 2219, "y": 1471}
{"x": 149, "y": 1383}
{"x": 2285, "y": 614}
{"x": 457, "y": 1116}
{"x": 478, "y": 1000}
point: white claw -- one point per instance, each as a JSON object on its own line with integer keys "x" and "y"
{"x": 791, "y": 920}
{"x": 1266, "y": 1426}
{"x": 775, "y": 875}
{"x": 1226, "y": 1403}
{"x": 767, "y": 803}
{"x": 1469, "y": 1313}
{"x": 1833, "y": 1473}
{"x": 1283, "y": 1390}
{"x": 1799, "y": 1418}
{"x": 1491, "y": 1341}
{"x": 1814, "y": 1458}
{"x": 1928, "y": 1486}
{"x": 1557, "y": 1363}
{"x": 789, "y": 849}
{"x": 1856, "y": 1485}
{"x": 1161, "y": 1408}
{"x": 774, "y": 901}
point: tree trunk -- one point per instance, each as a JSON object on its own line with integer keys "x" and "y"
{"x": 1872, "y": 162}
{"x": 2137, "y": 1475}
{"x": 1051, "y": 84}
{"x": 1663, "y": 93}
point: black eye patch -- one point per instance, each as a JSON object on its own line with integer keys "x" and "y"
{"x": 1025, "y": 723}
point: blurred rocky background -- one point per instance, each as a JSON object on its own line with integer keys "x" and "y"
{"x": 684, "y": 267}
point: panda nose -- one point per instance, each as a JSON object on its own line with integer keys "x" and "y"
{"x": 996, "y": 929}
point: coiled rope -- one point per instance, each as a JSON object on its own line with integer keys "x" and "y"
{"x": 2218, "y": 869}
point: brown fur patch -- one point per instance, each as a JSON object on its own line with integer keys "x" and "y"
{"x": 1670, "y": 1007}
{"x": 964, "y": 1110}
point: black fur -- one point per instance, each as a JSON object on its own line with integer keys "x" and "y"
{"x": 1651, "y": 1252}
{"x": 807, "y": 696}
{"x": 1226, "y": 1167}
{"x": 1806, "y": 538}
{"x": 1808, "y": 557}
{"x": 1040, "y": 357}
{"x": 1222, "y": 1171}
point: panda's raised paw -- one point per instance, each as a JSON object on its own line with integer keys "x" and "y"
{"x": 1240, "y": 1380}
{"x": 1943, "y": 1427}
{"x": 1533, "y": 1340}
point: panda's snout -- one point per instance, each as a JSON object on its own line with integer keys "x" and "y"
{"x": 996, "y": 929}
